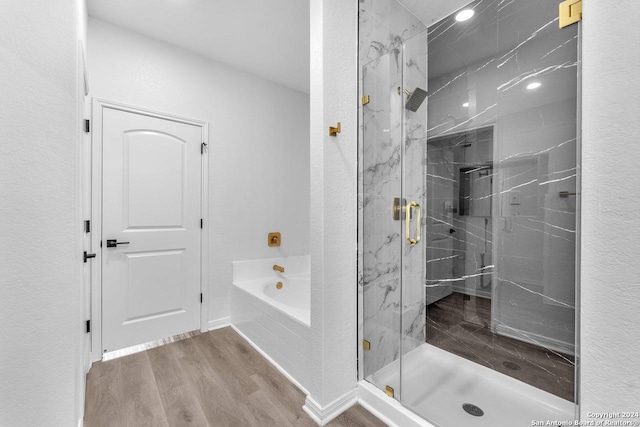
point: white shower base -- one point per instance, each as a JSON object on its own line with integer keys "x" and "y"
{"x": 436, "y": 384}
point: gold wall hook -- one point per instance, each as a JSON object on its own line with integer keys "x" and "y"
{"x": 334, "y": 131}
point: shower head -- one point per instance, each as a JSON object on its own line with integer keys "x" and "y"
{"x": 415, "y": 99}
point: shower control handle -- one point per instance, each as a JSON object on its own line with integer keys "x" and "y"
{"x": 407, "y": 223}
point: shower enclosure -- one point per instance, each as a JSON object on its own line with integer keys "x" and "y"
{"x": 468, "y": 208}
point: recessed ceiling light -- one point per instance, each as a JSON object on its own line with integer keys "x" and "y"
{"x": 466, "y": 104}
{"x": 464, "y": 15}
{"x": 534, "y": 85}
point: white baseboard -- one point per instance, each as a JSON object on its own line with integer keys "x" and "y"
{"x": 219, "y": 323}
{"x": 313, "y": 410}
{"x": 270, "y": 360}
{"x": 386, "y": 409}
{"x": 324, "y": 415}
{"x": 535, "y": 339}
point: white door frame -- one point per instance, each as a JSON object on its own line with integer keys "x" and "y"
{"x": 98, "y": 106}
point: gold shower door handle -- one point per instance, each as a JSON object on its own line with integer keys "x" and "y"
{"x": 407, "y": 222}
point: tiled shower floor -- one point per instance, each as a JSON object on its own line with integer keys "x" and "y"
{"x": 467, "y": 335}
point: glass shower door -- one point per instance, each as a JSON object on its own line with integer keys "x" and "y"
{"x": 393, "y": 177}
{"x": 499, "y": 218}
{"x": 381, "y": 234}
{"x": 414, "y": 150}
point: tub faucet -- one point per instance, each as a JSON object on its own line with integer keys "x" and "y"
{"x": 278, "y": 268}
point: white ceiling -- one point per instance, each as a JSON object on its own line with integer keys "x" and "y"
{"x": 268, "y": 38}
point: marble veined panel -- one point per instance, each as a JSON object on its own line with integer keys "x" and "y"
{"x": 382, "y": 238}
{"x": 383, "y": 25}
{"x": 381, "y": 126}
{"x": 381, "y": 324}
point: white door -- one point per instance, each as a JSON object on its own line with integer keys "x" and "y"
{"x": 85, "y": 162}
{"x": 151, "y": 198}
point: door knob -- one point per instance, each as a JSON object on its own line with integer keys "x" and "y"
{"x": 112, "y": 243}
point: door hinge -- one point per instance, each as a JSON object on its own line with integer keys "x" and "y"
{"x": 366, "y": 345}
{"x": 200, "y": 298}
{"x": 87, "y": 256}
{"x": 570, "y": 12}
{"x": 201, "y": 223}
{"x": 88, "y": 326}
{"x": 202, "y": 147}
{"x": 87, "y": 126}
{"x": 87, "y": 226}
{"x": 365, "y": 100}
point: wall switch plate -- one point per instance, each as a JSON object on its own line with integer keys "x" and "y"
{"x": 514, "y": 197}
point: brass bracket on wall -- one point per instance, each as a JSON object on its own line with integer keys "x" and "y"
{"x": 334, "y": 131}
{"x": 570, "y": 12}
{"x": 366, "y": 345}
{"x": 365, "y": 100}
{"x": 274, "y": 239}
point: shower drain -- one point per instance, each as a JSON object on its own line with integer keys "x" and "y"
{"x": 472, "y": 409}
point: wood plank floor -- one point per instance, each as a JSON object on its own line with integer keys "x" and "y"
{"x": 210, "y": 380}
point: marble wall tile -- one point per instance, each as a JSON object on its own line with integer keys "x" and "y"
{"x": 532, "y": 237}
{"x": 536, "y": 240}
{"x": 382, "y": 238}
{"x": 388, "y": 132}
{"x": 381, "y": 155}
{"x": 384, "y": 25}
{"x": 414, "y": 145}
{"x": 381, "y": 324}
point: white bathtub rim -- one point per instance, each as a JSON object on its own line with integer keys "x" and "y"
{"x": 271, "y": 360}
{"x": 254, "y": 288}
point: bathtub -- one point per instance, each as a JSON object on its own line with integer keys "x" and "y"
{"x": 292, "y": 298}
{"x": 275, "y": 319}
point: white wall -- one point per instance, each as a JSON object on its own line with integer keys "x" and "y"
{"x": 259, "y": 143}
{"x": 610, "y": 290}
{"x": 40, "y": 221}
{"x": 334, "y": 90}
